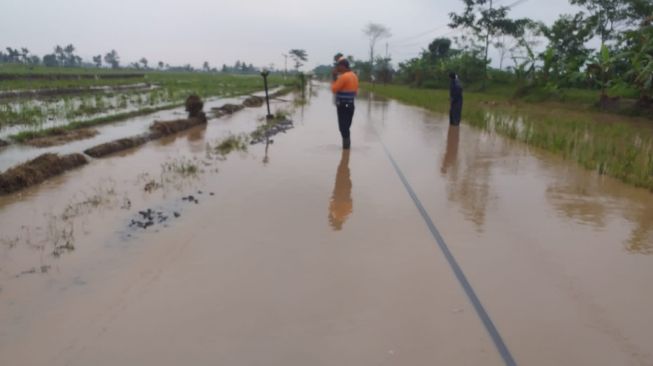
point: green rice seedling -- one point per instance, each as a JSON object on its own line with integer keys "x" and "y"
{"x": 229, "y": 144}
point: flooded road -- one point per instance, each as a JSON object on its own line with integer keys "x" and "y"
{"x": 301, "y": 254}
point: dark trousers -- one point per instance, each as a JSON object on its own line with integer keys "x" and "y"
{"x": 345, "y": 116}
{"x": 455, "y": 113}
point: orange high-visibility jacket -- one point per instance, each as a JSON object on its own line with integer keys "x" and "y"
{"x": 345, "y": 87}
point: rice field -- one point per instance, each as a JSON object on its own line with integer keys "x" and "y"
{"x": 45, "y": 104}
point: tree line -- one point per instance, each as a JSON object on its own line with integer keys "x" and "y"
{"x": 622, "y": 62}
{"x": 66, "y": 57}
{"x": 531, "y": 54}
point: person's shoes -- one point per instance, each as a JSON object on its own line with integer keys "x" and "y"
{"x": 346, "y": 143}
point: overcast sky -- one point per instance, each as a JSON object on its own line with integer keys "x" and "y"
{"x": 222, "y": 31}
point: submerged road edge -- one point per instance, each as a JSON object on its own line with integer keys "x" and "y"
{"x": 455, "y": 267}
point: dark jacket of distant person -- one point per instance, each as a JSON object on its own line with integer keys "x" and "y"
{"x": 456, "y": 98}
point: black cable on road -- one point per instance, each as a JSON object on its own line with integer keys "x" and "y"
{"x": 458, "y": 272}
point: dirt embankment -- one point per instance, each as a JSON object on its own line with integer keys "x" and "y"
{"x": 3, "y": 143}
{"x": 253, "y": 101}
{"x": 158, "y": 129}
{"x": 61, "y": 137}
{"x": 37, "y": 170}
{"x": 117, "y": 145}
{"x": 162, "y": 128}
{"x": 227, "y": 109}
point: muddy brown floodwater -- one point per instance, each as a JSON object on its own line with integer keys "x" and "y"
{"x": 295, "y": 253}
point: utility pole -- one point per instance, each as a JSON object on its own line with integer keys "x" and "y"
{"x": 285, "y": 63}
{"x": 265, "y": 74}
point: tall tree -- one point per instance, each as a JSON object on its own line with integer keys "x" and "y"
{"x": 608, "y": 16}
{"x": 439, "y": 48}
{"x": 505, "y": 45}
{"x": 24, "y": 53}
{"x": 567, "y": 51}
{"x": 299, "y": 56}
{"x": 13, "y": 55}
{"x": 61, "y": 55}
{"x": 144, "y": 62}
{"x": 640, "y": 56}
{"x": 375, "y": 32}
{"x": 112, "y": 59}
{"x": 97, "y": 60}
{"x": 486, "y": 22}
{"x": 206, "y": 66}
{"x": 33, "y": 60}
{"x": 69, "y": 57}
{"x": 50, "y": 60}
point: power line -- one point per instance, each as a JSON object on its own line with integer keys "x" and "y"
{"x": 518, "y": 2}
{"x": 421, "y": 34}
{"x": 401, "y": 42}
{"x": 407, "y": 45}
{"x": 400, "y": 49}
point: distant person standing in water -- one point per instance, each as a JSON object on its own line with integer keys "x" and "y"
{"x": 345, "y": 88}
{"x": 456, "y": 99}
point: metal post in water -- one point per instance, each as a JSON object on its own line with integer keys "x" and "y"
{"x": 265, "y": 74}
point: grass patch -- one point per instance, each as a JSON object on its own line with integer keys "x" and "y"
{"x": 231, "y": 143}
{"x": 619, "y": 147}
{"x": 182, "y": 166}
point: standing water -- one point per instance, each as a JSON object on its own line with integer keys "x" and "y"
{"x": 299, "y": 253}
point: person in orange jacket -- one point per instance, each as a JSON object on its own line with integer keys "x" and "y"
{"x": 338, "y": 57}
{"x": 345, "y": 88}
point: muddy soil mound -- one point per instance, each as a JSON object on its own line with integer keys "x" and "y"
{"x": 194, "y": 105}
{"x": 253, "y": 101}
{"x": 227, "y": 109}
{"x": 162, "y": 128}
{"x": 158, "y": 129}
{"x": 61, "y": 137}
{"x": 117, "y": 145}
{"x": 37, "y": 170}
{"x": 3, "y": 143}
